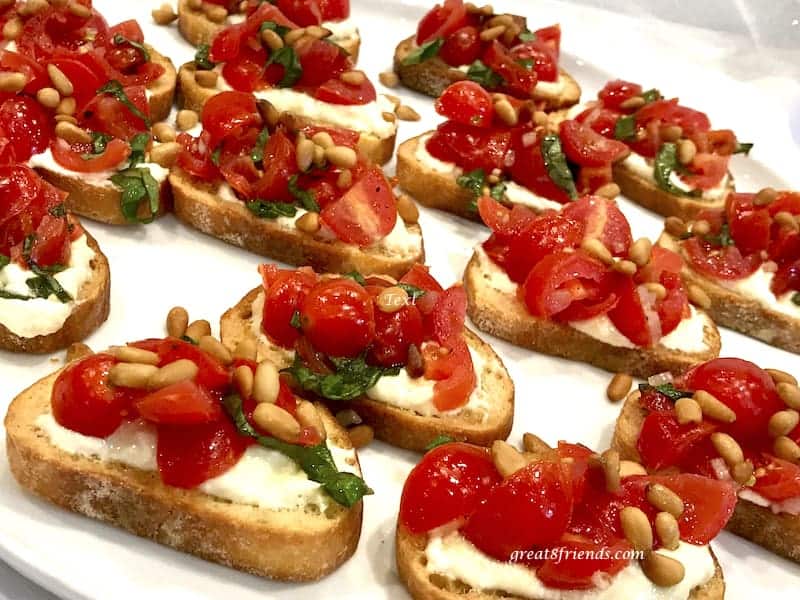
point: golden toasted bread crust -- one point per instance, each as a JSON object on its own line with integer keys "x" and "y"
{"x": 505, "y": 316}
{"x": 410, "y": 558}
{"x": 162, "y": 90}
{"x": 398, "y": 426}
{"x": 740, "y": 313}
{"x": 90, "y": 311}
{"x": 433, "y": 76}
{"x": 286, "y": 545}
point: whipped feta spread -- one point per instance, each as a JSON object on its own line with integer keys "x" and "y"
{"x": 262, "y": 477}
{"x": 45, "y": 160}
{"x": 454, "y": 557}
{"x": 43, "y": 316}
{"x": 642, "y": 167}
{"x": 757, "y": 287}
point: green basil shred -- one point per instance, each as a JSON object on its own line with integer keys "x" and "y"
{"x": 114, "y": 88}
{"x": 137, "y": 185}
{"x": 743, "y": 148}
{"x": 556, "y": 164}
{"x": 258, "y": 150}
{"x": 669, "y": 390}
{"x": 665, "y": 163}
{"x": 413, "y": 292}
{"x": 425, "y": 52}
{"x": 625, "y": 128}
{"x": 292, "y": 69}
{"x": 304, "y": 197}
{"x": 120, "y": 39}
{"x": 271, "y": 210}
{"x": 484, "y": 75}
{"x": 201, "y": 59}
{"x": 439, "y": 440}
{"x": 352, "y": 377}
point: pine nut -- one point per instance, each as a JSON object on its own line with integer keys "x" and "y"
{"x": 389, "y": 117}
{"x": 195, "y": 4}
{"x": 166, "y": 154}
{"x": 632, "y": 103}
{"x": 308, "y": 416}
{"x": 198, "y": 329}
{"x": 507, "y": 459}
{"x": 765, "y": 197}
{"x": 177, "y": 321}
{"x": 272, "y": 40}
{"x": 664, "y": 499}
{"x": 492, "y": 33}
{"x": 246, "y": 349}
{"x": 60, "y": 81}
{"x": 215, "y": 13}
{"x": 610, "y": 462}
{"x": 406, "y": 113}
{"x": 671, "y": 133}
{"x": 32, "y": 7}
{"x": 407, "y": 209}
{"x": 348, "y": 417}
{"x": 72, "y": 133}
{"x": 66, "y": 119}
{"x": 353, "y": 77}
{"x": 67, "y": 106}
{"x": 415, "y": 365}
{"x": 131, "y": 375}
{"x": 305, "y": 154}
{"x": 206, "y": 79}
{"x": 164, "y": 15}
{"x": 266, "y": 384}
{"x": 173, "y": 373}
{"x": 786, "y": 448}
{"x": 341, "y": 156}
{"x": 728, "y": 448}
{"x": 268, "y": 112}
{"x": 323, "y": 138}
{"x": 786, "y": 219}
{"x": 534, "y": 444}
{"x": 779, "y": 376}
{"x": 77, "y": 350}
{"x": 79, "y": 10}
{"x": 48, "y": 97}
{"x": 361, "y": 435}
{"x": 790, "y": 394}
{"x": 212, "y": 346}
{"x": 389, "y": 79}
{"x": 186, "y": 119}
{"x": 345, "y": 179}
{"x": 742, "y": 472}
{"x": 131, "y": 354}
{"x": 595, "y": 248}
{"x": 628, "y": 468}
{"x": 243, "y": 377}
{"x": 675, "y": 226}
{"x": 640, "y": 251}
{"x": 391, "y": 299}
{"x": 11, "y": 81}
{"x": 662, "y": 570}
{"x": 308, "y": 223}
{"x": 686, "y": 151}
{"x": 701, "y": 227}
{"x": 609, "y": 190}
{"x": 277, "y": 422}
{"x": 688, "y": 411}
{"x": 698, "y": 297}
{"x": 636, "y": 527}
{"x": 783, "y": 422}
{"x": 12, "y": 29}
{"x": 540, "y": 118}
{"x": 657, "y": 289}
{"x": 619, "y": 387}
{"x": 293, "y": 36}
{"x": 504, "y": 19}
{"x": 713, "y": 408}
{"x": 667, "y": 530}
{"x": 317, "y": 32}
{"x": 626, "y": 267}
{"x": 506, "y": 112}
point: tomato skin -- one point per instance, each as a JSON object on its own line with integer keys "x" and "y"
{"x": 588, "y": 148}
{"x": 27, "y": 125}
{"x": 338, "y": 317}
{"x": 462, "y": 47}
{"x": 448, "y": 484}
{"x": 724, "y": 263}
{"x": 280, "y": 163}
{"x": 85, "y": 80}
{"x": 52, "y": 243}
{"x": 321, "y": 62}
{"x": 658, "y": 427}
{"x": 394, "y": 333}
{"x": 466, "y": 102}
{"x": 615, "y": 92}
{"x": 182, "y": 403}
{"x": 579, "y": 573}
{"x": 336, "y": 91}
{"x": 441, "y": 21}
{"x": 107, "y": 114}
{"x": 246, "y": 72}
{"x": 544, "y": 57}
{"x": 117, "y": 151}
{"x": 518, "y": 81}
{"x": 602, "y": 219}
{"x": 780, "y": 480}
{"x": 529, "y": 169}
{"x": 303, "y": 12}
{"x": 706, "y": 170}
{"x": 284, "y": 292}
{"x": 600, "y": 119}
{"x": 470, "y": 147}
{"x": 335, "y": 10}
{"x": 229, "y": 114}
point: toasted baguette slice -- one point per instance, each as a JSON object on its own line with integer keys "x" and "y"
{"x": 738, "y": 312}
{"x": 398, "y": 426}
{"x": 192, "y": 96}
{"x": 432, "y": 76}
{"x": 410, "y": 557}
{"x": 778, "y": 533}
{"x": 162, "y": 90}
{"x": 198, "y": 205}
{"x": 91, "y": 310}
{"x": 289, "y": 545}
{"x": 503, "y": 315}
{"x": 197, "y": 29}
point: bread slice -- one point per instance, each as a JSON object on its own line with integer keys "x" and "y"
{"x": 738, "y": 312}
{"x": 432, "y": 76}
{"x": 192, "y": 96}
{"x": 778, "y": 533}
{"x": 289, "y": 545}
{"x": 90, "y": 311}
{"x": 398, "y": 426}
{"x": 197, "y": 203}
{"x": 505, "y": 316}
{"x": 410, "y": 557}
{"x": 162, "y": 90}
{"x": 197, "y": 29}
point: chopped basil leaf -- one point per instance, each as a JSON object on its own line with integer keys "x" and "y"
{"x": 356, "y": 276}
{"x": 120, "y": 39}
{"x": 59, "y": 211}
{"x": 669, "y": 390}
{"x": 295, "y": 322}
{"x": 292, "y": 69}
{"x": 27, "y": 246}
{"x": 45, "y": 285}
{"x": 138, "y": 149}
{"x": 497, "y": 192}
{"x": 304, "y": 197}
{"x": 351, "y": 379}
{"x": 743, "y": 148}
{"x": 439, "y": 440}
{"x": 425, "y": 52}
{"x": 527, "y": 36}
{"x": 215, "y": 155}
{"x": 625, "y": 128}
{"x": 281, "y": 30}
{"x": 483, "y": 75}
{"x": 666, "y": 162}
{"x": 722, "y": 239}
{"x": 796, "y": 298}
{"x": 114, "y": 88}
{"x": 651, "y": 95}
{"x": 271, "y": 210}
{"x": 473, "y": 181}
{"x": 258, "y": 150}
{"x": 556, "y": 164}
{"x": 137, "y": 185}
{"x": 12, "y": 296}
{"x": 100, "y": 141}
{"x": 526, "y": 63}
{"x": 4, "y": 261}
{"x": 413, "y": 292}
{"x": 201, "y": 58}
{"x": 316, "y": 461}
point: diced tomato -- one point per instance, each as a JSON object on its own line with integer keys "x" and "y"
{"x": 107, "y": 114}
{"x": 787, "y": 278}
{"x": 587, "y": 148}
{"x": 302, "y": 12}
{"x": 229, "y": 114}
{"x": 247, "y": 73}
{"x": 228, "y": 43}
{"x": 25, "y": 199}
{"x": 551, "y": 36}
{"x": 52, "y": 243}
{"x": 468, "y": 103}
{"x": 280, "y": 163}
{"x": 441, "y": 21}
{"x": 719, "y": 263}
{"x": 636, "y": 313}
{"x": 195, "y": 156}
{"x": 19, "y": 63}
{"x": 394, "y": 333}
{"x": 454, "y": 373}
{"x": 85, "y": 80}
{"x": 615, "y": 92}
{"x": 663, "y": 442}
{"x": 529, "y": 168}
{"x": 472, "y": 147}
{"x": 780, "y": 480}
{"x": 541, "y": 57}
{"x": 212, "y": 375}
{"x": 604, "y": 221}
{"x": 334, "y": 10}
{"x": 116, "y": 153}
{"x": 448, "y": 484}
{"x": 517, "y": 80}
{"x": 420, "y": 277}
{"x": 600, "y": 119}
{"x": 706, "y": 170}
{"x": 283, "y": 296}
{"x": 749, "y": 225}
{"x": 336, "y": 91}
{"x": 579, "y": 560}
{"x": 321, "y": 62}
{"x": 447, "y": 319}
{"x": 462, "y": 47}
{"x": 27, "y": 125}
{"x": 182, "y": 403}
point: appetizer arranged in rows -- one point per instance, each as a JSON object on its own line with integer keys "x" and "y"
{"x": 299, "y": 72}
{"x": 560, "y": 522}
{"x": 54, "y": 280}
{"x": 493, "y": 144}
{"x": 678, "y": 165}
{"x": 395, "y": 352}
{"x": 574, "y": 284}
{"x": 457, "y": 41}
{"x": 745, "y": 257}
{"x": 729, "y": 420}
{"x": 200, "y": 20}
{"x": 184, "y": 455}
{"x": 296, "y": 193}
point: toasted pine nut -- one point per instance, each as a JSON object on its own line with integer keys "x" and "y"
{"x": 667, "y": 530}
{"x": 504, "y": 19}
{"x": 698, "y": 297}
{"x": 268, "y": 112}
{"x": 308, "y": 223}
{"x": 12, "y": 29}
{"x": 507, "y": 459}
{"x": 79, "y": 10}
{"x": 619, "y": 387}
{"x": 534, "y": 444}
{"x": 66, "y": 119}
{"x": 779, "y": 376}
{"x": 713, "y": 408}
{"x": 195, "y": 4}
{"x": 48, "y": 97}
{"x": 742, "y": 472}
{"x": 77, "y": 350}
{"x": 640, "y": 252}
{"x": 506, "y": 112}
{"x": 688, "y": 411}
{"x": 662, "y": 570}
{"x": 765, "y": 197}
{"x": 345, "y": 179}
{"x": 786, "y": 448}
{"x": 246, "y": 349}
{"x": 67, "y": 106}
{"x": 173, "y": 373}
{"x": 609, "y": 190}
{"x": 211, "y": 345}
{"x": 728, "y": 448}
{"x": 272, "y": 40}
{"x": 165, "y": 154}
{"x": 636, "y": 527}
{"x": 243, "y": 377}
{"x": 492, "y": 33}
{"x": 323, "y": 138}
{"x": 341, "y": 156}
{"x": 686, "y": 151}
{"x": 177, "y": 321}
{"x": 305, "y": 153}
{"x": 627, "y": 468}
{"x": 11, "y": 81}
{"x": 389, "y": 79}
{"x": 308, "y": 416}
{"x": 391, "y": 299}
{"x": 318, "y": 32}
{"x": 361, "y": 435}
{"x": 786, "y": 219}
{"x": 407, "y": 209}
{"x": 671, "y": 133}
{"x": 790, "y": 394}
{"x": 657, "y": 289}
{"x": 131, "y": 354}
{"x": 131, "y": 375}
{"x": 389, "y": 117}
{"x": 266, "y": 384}
{"x": 32, "y": 7}
{"x": 664, "y": 499}
{"x": 406, "y": 113}
{"x": 198, "y": 329}
{"x": 627, "y": 267}
{"x": 353, "y": 77}
{"x": 632, "y": 103}
{"x": 701, "y": 227}
{"x": 597, "y": 249}
{"x": 215, "y": 13}
{"x": 348, "y": 417}
{"x": 276, "y": 421}
{"x": 610, "y": 461}
{"x": 72, "y": 133}
{"x": 186, "y": 119}
{"x": 206, "y": 79}
{"x": 293, "y": 36}
{"x": 164, "y": 15}
{"x": 783, "y": 422}
{"x": 60, "y": 81}
{"x": 675, "y": 226}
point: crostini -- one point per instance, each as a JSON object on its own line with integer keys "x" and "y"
{"x": 678, "y": 165}
{"x": 54, "y": 280}
{"x": 553, "y": 523}
{"x": 574, "y": 284}
{"x": 199, "y": 21}
{"x": 298, "y": 72}
{"x": 395, "y": 352}
{"x": 500, "y": 146}
{"x": 729, "y": 420}
{"x": 157, "y": 438}
{"x": 745, "y": 261}
{"x": 457, "y": 41}
{"x": 298, "y": 194}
